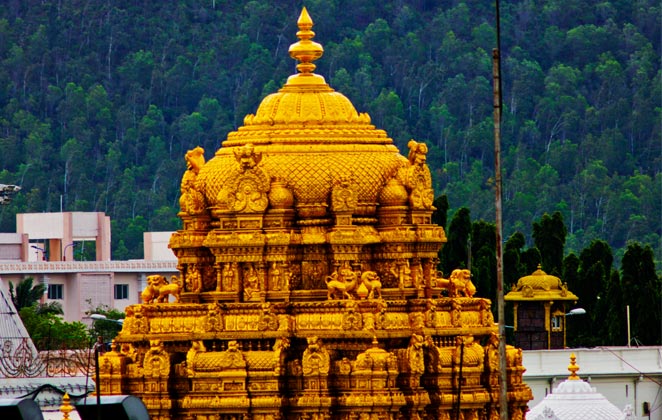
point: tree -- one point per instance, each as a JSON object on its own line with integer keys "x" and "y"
{"x": 530, "y": 260}
{"x": 109, "y": 327}
{"x": 614, "y": 328}
{"x": 513, "y": 269}
{"x": 593, "y": 275}
{"x": 483, "y": 258}
{"x": 54, "y": 308}
{"x": 641, "y": 291}
{"x": 26, "y": 294}
{"x": 440, "y": 214}
{"x": 549, "y": 235}
{"x": 455, "y": 253}
{"x": 528, "y": 81}
{"x": 570, "y": 271}
{"x": 48, "y": 331}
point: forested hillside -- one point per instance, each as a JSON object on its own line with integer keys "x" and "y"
{"x": 99, "y": 100}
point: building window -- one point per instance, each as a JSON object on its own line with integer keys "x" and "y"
{"x": 121, "y": 291}
{"x": 557, "y": 321}
{"x": 55, "y": 291}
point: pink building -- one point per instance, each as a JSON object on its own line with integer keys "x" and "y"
{"x": 43, "y": 248}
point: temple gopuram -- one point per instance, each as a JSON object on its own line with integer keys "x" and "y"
{"x": 308, "y": 284}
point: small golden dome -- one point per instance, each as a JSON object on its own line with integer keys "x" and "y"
{"x": 540, "y": 286}
{"x": 539, "y": 280}
{"x": 306, "y": 98}
{"x": 292, "y": 104}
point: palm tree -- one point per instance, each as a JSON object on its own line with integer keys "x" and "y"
{"x": 26, "y": 294}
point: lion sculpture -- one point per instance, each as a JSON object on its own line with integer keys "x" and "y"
{"x": 459, "y": 283}
{"x": 159, "y": 289}
{"x": 339, "y": 285}
{"x": 373, "y": 283}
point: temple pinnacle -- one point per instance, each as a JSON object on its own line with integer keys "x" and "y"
{"x": 305, "y": 50}
{"x": 573, "y": 368}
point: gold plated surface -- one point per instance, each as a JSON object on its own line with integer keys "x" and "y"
{"x": 540, "y": 286}
{"x": 308, "y": 284}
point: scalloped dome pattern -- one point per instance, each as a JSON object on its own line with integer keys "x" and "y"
{"x": 322, "y": 107}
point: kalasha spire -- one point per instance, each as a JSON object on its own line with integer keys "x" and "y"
{"x": 573, "y": 368}
{"x": 305, "y": 51}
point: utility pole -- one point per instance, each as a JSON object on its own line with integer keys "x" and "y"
{"x": 498, "y": 101}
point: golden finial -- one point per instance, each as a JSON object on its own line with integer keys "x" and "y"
{"x": 66, "y": 407}
{"x": 573, "y": 368}
{"x": 305, "y": 50}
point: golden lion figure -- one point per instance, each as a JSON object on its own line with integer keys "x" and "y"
{"x": 339, "y": 285}
{"x": 459, "y": 283}
{"x": 159, "y": 289}
{"x": 373, "y": 283}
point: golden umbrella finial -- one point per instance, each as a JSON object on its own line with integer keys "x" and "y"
{"x": 306, "y": 51}
{"x": 66, "y": 407}
{"x": 573, "y": 368}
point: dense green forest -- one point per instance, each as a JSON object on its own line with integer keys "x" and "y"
{"x": 99, "y": 101}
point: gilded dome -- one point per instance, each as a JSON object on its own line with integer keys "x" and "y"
{"x": 539, "y": 280}
{"x": 309, "y": 137}
{"x": 540, "y": 286}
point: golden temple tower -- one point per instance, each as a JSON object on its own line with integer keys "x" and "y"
{"x": 309, "y": 285}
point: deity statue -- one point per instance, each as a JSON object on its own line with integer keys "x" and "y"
{"x": 193, "y": 279}
{"x": 251, "y": 282}
{"x": 417, "y": 274}
{"x": 276, "y": 276}
{"x": 404, "y": 274}
{"x": 230, "y": 275}
{"x": 192, "y": 201}
{"x": 418, "y": 179}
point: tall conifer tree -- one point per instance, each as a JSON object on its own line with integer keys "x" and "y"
{"x": 455, "y": 253}
{"x": 641, "y": 291}
{"x": 549, "y": 236}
